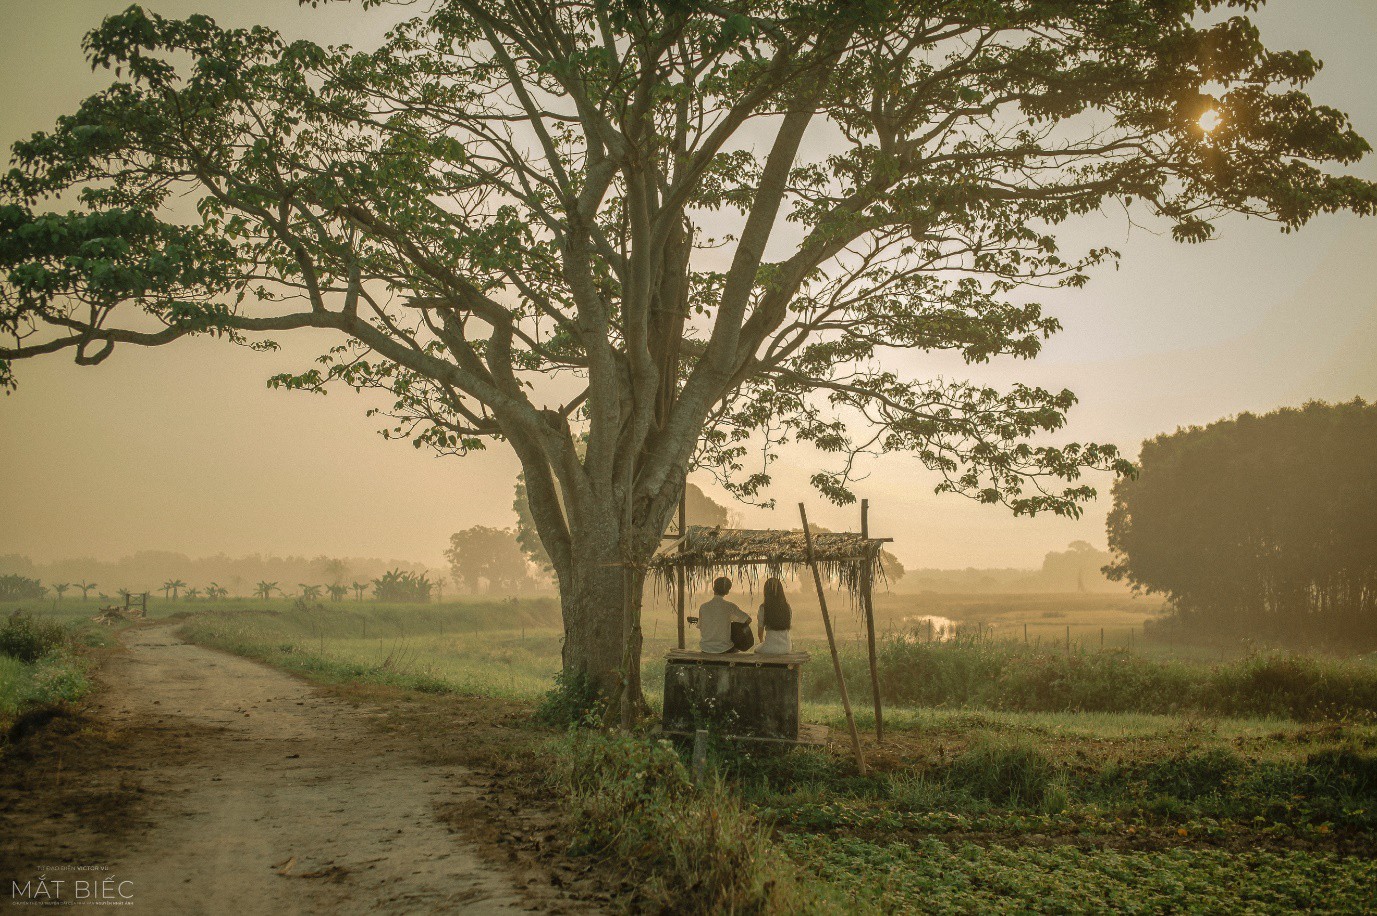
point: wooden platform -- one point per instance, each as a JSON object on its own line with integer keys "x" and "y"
{"x": 813, "y": 735}
{"x": 736, "y": 658}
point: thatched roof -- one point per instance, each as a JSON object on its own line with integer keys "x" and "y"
{"x": 844, "y": 559}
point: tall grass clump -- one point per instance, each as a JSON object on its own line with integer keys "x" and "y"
{"x": 1294, "y": 686}
{"x": 957, "y": 672}
{"x": 979, "y": 672}
{"x": 1117, "y": 681}
{"x": 690, "y": 848}
{"x": 1006, "y": 771}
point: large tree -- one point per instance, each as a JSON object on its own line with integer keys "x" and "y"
{"x": 628, "y": 237}
{"x": 1258, "y": 526}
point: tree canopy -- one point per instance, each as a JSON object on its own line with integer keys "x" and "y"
{"x": 1259, "y": 526}
{"x": 630, "y": 237}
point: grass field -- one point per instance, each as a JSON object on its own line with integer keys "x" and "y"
{"x": 967, "y": 808}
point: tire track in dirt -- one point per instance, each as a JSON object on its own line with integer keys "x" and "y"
{"x": 261, "y": 794}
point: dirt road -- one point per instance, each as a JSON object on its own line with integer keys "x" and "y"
{"x": 261, "y": 794}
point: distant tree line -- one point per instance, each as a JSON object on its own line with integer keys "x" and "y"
{"x": 1259, "y": 526}
{"x": 158, "y": 571}
{"x": 1078, "y": 568}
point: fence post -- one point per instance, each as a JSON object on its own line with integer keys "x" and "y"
{"x": 1068, "y": 640}
{"x": 700, "y": 755}
{"x": 1101, "y": 639}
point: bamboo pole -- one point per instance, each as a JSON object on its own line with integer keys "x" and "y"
{"x": 867, "y": 587}
{"x": 680, "y": 586}
{"x": 832, "y": 643}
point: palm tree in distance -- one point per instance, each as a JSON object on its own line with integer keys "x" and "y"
{"x": 337, "y": 591}
{"x": 213, "y": 591}
{"x": 192, "y": 594}
{"x": 310, "y": 592}
{"x": 85, "y": 588}
{"x": 177, "y": 585}
{"x": 166, "y": 589}
{"x": 359, "y": 588}
{"x": 60, "y": 587}
{"x": 264, "y": 590}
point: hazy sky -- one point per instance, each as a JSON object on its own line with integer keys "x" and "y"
{"x": 184, "y": 448}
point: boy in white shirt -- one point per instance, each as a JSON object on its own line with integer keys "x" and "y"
{"x": 715, "y": 619}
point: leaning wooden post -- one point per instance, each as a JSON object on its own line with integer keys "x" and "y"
{"x": 679, "y": 578}
{"x": 832, "y": 642}
{"x": 867, "y": 586}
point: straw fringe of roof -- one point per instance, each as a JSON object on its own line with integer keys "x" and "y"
{"x": 844, "y": 559}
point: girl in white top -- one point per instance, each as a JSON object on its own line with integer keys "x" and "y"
{"x": 775, "y": 620}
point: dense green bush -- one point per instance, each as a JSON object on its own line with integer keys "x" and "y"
{"x": 28, "y": 640}
{"x": 397, "y": 585}
{"x": 15, "y": 587}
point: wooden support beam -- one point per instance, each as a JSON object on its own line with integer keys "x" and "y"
{"x": 867, "y": 587}
{"x": 832, "y": 643}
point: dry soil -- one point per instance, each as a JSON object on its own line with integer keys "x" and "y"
{"x": 231, "y": 787}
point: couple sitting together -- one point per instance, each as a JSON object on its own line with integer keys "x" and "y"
{"x": 727, "y": 628}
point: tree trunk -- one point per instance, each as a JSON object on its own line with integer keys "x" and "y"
{"x": 593, "y": 601}
{"x": 599, "y": 563}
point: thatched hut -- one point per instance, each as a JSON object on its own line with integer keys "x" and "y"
{"x": 696, "y": 555}
{"x": 846, "y": 560}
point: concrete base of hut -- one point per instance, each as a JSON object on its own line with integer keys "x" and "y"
{"x": 735, "y": 694}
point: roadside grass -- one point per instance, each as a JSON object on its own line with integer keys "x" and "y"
{"x": 965, "y": 808}
{"x": 41, "y": 666}
{"x": 485, "y": 649}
